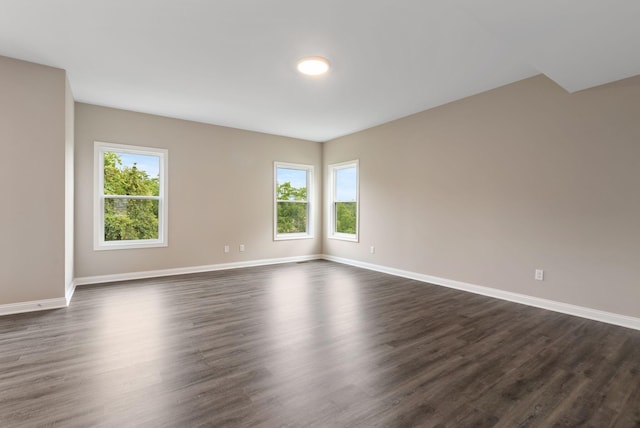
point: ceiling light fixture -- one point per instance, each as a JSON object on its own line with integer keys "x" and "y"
{"x": 313, "y": 65}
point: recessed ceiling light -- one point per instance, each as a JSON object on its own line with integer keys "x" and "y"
{"x": 313, "y": 65}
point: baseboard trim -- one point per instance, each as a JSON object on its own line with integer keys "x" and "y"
{"x": 68, "y": 292}
{"x": 100, "y": 279}
{"x": 565, "y": 308}
{"x": 32, "y": 306}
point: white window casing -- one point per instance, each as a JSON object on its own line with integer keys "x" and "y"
{"x": 344, "y": 190}
{"x": 120, "y": 201}
{"x": 283, "y": 173}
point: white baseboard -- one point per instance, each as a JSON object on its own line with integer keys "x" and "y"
{"x": 565, "y": 308}
{"x": 99, "y": 279}
{"x": 69, "y": 290}
{"x": 32, "y": 306}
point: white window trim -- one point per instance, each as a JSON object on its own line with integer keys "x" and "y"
{"x": 98, "y": 197}
{"x": 310, "y": 202}
{"x": 353, "y": 237}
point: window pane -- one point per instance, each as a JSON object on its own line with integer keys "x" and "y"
{"x": 346, "y": 217}
{"x": 291, "y": 184}
{"x": 344, "y": 201}
{"x": 131, "y": 174}
{"x": 292, "y": 217}
{"x": 130, "y": 219}
{"x": 346, "y": 184}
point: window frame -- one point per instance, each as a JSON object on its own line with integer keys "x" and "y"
{"x": 99, "y": 197}
{"x": 333, "y": 234}
{"x": 310, "y": 201}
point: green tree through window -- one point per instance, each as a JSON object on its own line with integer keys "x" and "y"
{"x": 346, "y": 217}
{"x": 130, "y": 197}
{"x": 344, "y": 200}
{"x": 292, "y": 216}
{"x": 129, "y": 218}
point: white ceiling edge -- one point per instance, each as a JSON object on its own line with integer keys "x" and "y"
{"x": 196, "y": 60}
{"x": 579, "y": 44}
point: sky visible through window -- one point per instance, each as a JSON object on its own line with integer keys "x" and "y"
{"x": 150, "y": 164}
{"x": 297, "y": 177}
{"x": 345, "y": 181}
{"x": 346, "y": 184}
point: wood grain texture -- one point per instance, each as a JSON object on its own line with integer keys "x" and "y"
{"x": 314, "y": 344}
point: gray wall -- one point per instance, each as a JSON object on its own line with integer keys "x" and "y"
{"x": 486, "y": 189}
{"x": 220, "y": 191}
{"x": 32, "y": 182}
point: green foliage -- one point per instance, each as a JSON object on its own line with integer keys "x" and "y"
{"x": 129, "y": 219}
{"x": 346, "y": 217}
{"x": 292, "y": 216}
{"x": 119, "y": 180}
{"x": 286, "y": 192}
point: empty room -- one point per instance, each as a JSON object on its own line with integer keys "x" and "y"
{"x": 319, "y": 214}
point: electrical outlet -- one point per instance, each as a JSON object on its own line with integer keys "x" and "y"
{"x": 226, "y": 249}
{"x": 539, "y": 276}
{"x": 372, "y": 249}
{"x": 242, "y": 248}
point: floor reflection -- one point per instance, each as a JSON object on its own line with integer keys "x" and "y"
{"x": 129, "y": 361}
{"x": 316, "y": 336}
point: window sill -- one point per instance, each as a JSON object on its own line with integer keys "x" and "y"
{"x": 128, "y": 245}
{"x": 344, "y": 237}
{"x": 293, "y": 236}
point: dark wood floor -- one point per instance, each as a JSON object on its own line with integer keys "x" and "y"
{"x": 311, "y": 344}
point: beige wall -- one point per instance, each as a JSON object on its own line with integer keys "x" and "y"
{"x": 32, "y": 182}
{"x": 69, "y": 187}
{"x": 220, "y": 191}
{"x": 489, "y": 188}
{"x": 483, "y": 190}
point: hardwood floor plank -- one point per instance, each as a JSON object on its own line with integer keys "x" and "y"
{"x": 314, "y": 344}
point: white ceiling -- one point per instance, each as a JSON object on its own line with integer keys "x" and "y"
{"x": 232, "y": 62}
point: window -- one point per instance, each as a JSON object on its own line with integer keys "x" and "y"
{"x": 130, "y": 203}
{"x": 344, "y": 201}
{"x": 292, "y": 211}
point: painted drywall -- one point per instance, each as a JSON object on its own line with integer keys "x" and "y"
{"x": 32, "y": 182}
{"x": 220, "y": 192}
{"x": 487, "y": 189}
{"x": 69, "y": 188}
